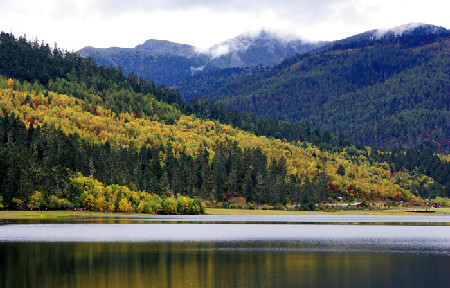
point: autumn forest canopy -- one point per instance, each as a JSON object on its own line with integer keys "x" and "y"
{"x": 75, "y": 134}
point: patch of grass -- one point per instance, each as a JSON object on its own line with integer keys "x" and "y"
{"x": 225, "y": 211}
{"x": 217, "y": 211}
{"x": 50, "y": 214}
{"x": 392, "y": 211}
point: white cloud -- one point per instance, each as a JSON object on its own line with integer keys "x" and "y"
{"x": 219, "y": 50}
{"x": 398, "y": 30}
{"x": 103, "y": 23}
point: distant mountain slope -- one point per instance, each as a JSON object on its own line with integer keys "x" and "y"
{"x": 155, "y": 58}
{"x": 261, "y": 49}
{"x": 388, "y": 89}
{"x": 162, "y": 61}
{"x": 162, "y": 47}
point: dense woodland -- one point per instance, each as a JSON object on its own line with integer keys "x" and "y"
{"x": 75, "y": 127}
{"x": 197, "y": 157}
{"x": 397, "y": 88}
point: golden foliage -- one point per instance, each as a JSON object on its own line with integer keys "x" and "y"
{"x": 117, "y": 198}
{"x": 188, "y": 134}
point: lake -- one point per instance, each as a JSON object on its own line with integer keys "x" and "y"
{"x": 226, "y": 251}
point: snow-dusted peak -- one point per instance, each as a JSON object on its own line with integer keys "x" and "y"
{"x": 408, "y": 28}
{"x": 243, "y": 42}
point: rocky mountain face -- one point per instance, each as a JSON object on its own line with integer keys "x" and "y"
{"x": 265, "y": 49}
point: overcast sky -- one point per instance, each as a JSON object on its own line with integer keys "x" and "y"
{"x": 202, "y": 23}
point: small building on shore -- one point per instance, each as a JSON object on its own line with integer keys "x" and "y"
{"x": 238, "y": 200}
{"x": 357, "y": 205}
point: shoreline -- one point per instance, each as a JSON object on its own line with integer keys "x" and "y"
{"x": 4, "y": 215}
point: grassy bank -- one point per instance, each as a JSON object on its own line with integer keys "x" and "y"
{"x": 398, "y": 211}
{"x": 52, "y": 214}
{"x": 214, "y": 211}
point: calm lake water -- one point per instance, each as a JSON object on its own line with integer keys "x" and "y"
{"x": 227, "y": 251}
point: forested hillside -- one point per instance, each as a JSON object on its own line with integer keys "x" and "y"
{"x": 190, "y": 157}
{"x": 388, "y": 91}
{"x": 88, "y": 136}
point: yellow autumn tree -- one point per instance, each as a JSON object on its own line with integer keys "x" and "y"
{"x": 35, "y": 201}
{"x": 10, "y": 83}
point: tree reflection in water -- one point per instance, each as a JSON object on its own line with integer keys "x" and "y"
{"x": 215, "y": 264}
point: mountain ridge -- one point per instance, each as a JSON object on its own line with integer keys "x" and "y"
{"x": 405, "y": 31}
{"x": 145, "y": 60}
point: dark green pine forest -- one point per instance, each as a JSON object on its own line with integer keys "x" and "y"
{"x": 388, "y": 92}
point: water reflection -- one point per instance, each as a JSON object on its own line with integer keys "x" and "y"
{"x": 226, "y": 251}
{"x": 213, "y": 264}
{"x": 365, "y": 234}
